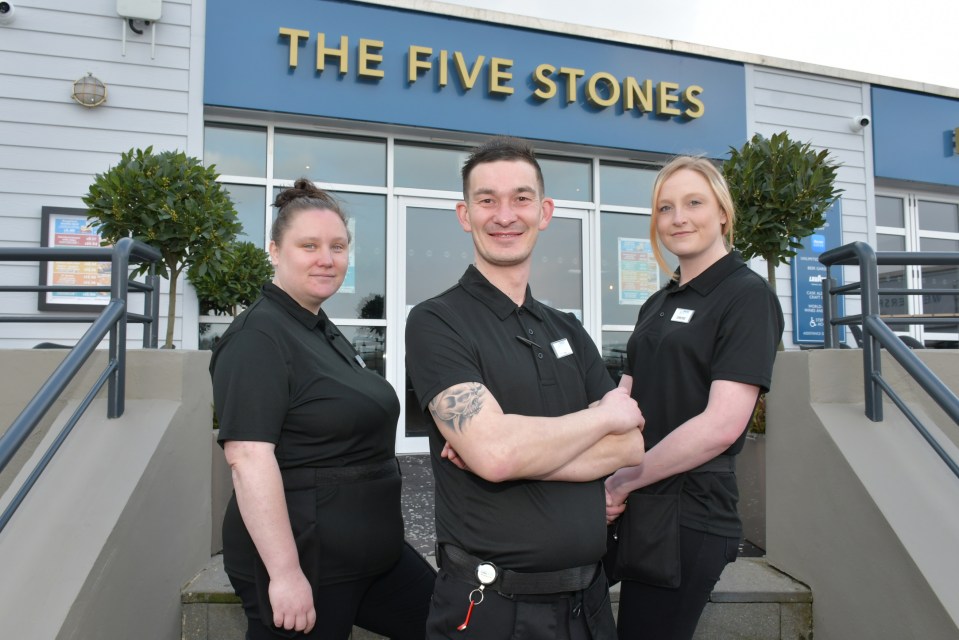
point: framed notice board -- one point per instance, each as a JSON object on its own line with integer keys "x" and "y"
{"x": 68, "y": 227}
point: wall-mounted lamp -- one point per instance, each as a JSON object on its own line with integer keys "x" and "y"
{"x": 89, "y": 91}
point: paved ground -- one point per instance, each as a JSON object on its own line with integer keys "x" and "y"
{"x": 418, "y": 502}
{"x": 418, "y": 507}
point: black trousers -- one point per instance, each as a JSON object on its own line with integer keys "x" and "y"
{"x": 657, "y": 613}
{"x": 393, "y": 604}
{"x": 582, "y": 615}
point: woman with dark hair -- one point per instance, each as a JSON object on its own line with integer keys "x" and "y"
{"x": 700, "y": 355}
{"x": 313, "y": 537}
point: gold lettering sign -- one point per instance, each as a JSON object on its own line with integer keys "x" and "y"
{"x": 598, "y": 88}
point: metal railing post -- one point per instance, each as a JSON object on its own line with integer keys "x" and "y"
{"x": 151, "y": 309}
{"x": 119, "y": 290}
{"x": 869, "y": 299}
{"x": 830, "y": 333}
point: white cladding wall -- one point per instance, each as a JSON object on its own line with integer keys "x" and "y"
{"x": 51, "y": 148}
{"x": 818, "y": 110}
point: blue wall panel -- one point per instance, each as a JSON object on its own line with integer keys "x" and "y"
{"x": 913, "y": 136}
{"x": 247, "y": 66}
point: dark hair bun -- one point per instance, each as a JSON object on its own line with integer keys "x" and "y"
{"x": 302, "y": 188}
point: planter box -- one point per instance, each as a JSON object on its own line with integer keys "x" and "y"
{"x": 751, "y": 476}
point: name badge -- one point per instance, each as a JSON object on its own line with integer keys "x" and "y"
{"x": 359, "y": 360}
{"x": 682, "y": 315}
{"x": 561, "y": 348}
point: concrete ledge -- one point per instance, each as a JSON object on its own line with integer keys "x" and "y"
{"x": 753, "y": 580}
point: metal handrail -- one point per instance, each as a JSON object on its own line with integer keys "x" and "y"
{"x": 112, "y": 320}
{"x": 877, "y": 334}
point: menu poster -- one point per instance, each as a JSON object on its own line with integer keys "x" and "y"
{"x": 68, "y": 227}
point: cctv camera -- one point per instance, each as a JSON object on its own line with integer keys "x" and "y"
{"x": 6, "y": 12}
{"x": 859, "y": 123}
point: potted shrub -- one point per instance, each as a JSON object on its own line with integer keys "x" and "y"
{"x": 244, "y": 270}
{"x": 781, "y": 189}
{"x": 169, "y": 201}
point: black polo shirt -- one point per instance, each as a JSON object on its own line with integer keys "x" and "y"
{"x": 725, "y": 324}
{"x": 284, "y": 375}
{"x": 471, "y": 333}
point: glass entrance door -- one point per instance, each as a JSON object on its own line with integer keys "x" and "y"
{"x": 914, "y": 222}
{"x": 434, "y": 252}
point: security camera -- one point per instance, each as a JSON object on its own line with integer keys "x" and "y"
{"x": 859, "y": 123}
{"x": 6, "y": 12}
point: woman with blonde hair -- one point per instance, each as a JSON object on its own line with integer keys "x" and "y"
{"x": 700, "y": 355}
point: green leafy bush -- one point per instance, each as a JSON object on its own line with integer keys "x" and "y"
{"x": 244, "y": 270}
{"x": 781, "y": 190}
{"x": 171, "y": 202}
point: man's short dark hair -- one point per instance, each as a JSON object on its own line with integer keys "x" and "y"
{"x": 501, "y": 148}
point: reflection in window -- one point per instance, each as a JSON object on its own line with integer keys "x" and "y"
{"x": 370, "y": 344}
{"x": 629, "y": 272}
{"x": 250, "y": 210}
{"x": 428, "y": 167}
{"x": 437, "y": 252}
{"x": 624, "y": 185}
{"x": 940, "y": 277}
{"x": 889, "y": 212}
{"x": 339, "y": 160}
{"x": 417, "y": 421}
{"x": 891, "y": 276}
{"x": 614, "y": 353}
{"x": 938, "y": 216}
{"x": 235, "y": 150}
{"x": 366, "y": 278}
{"x": 567, "y": 179}
{"x": 211, "y": 332}
{"x": 556, "y": 276}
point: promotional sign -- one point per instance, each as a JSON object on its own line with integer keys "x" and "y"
{"x": 69, "y": 227}
{"x": 638, "y": 270}
{"x": 807, "y": 277}
{"x": 356, "y": 61}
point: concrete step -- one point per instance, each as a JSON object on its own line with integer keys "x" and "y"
{"x": 752, "y": 601}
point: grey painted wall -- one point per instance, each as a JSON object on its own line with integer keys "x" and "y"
{"x": 51, "y": 147}
{"x": 862, "y": 512}
{"x": 121, "y": 518}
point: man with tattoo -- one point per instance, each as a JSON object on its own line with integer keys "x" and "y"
{"x": 527, "y": 423}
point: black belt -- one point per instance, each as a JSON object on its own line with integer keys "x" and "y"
{"x": 720, "y": 464}
{"x": 462, "y": 565}
{"x": 307, "y": 477}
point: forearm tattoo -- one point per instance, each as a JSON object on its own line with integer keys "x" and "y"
{"x": 457, "y": 405}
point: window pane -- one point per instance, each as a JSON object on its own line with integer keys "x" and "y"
{"x": 424, "y": 167}
{"x": 614, "y": 352}
{"x": 889, "y": 212}
{"x": 891, "y": 276}
{"x": 236, "y": 151}
{"x": 370, "y": 343}
{"x": 567, "y": 179}
{"x": 626, "y": 186}
{"x": 437, "y": 252}
{"x": 251, "y": 211}
{"x": 938, "y": 216}
{"x": 556, "y": 277}
{"x": 940, "y": 277}
{"x": 888, "y": 242}
{"x": 329, "y": 159}
{"x": 364, "y": 288}
{"x": 629, "y": 271}
{"x": 211, "y": 332}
